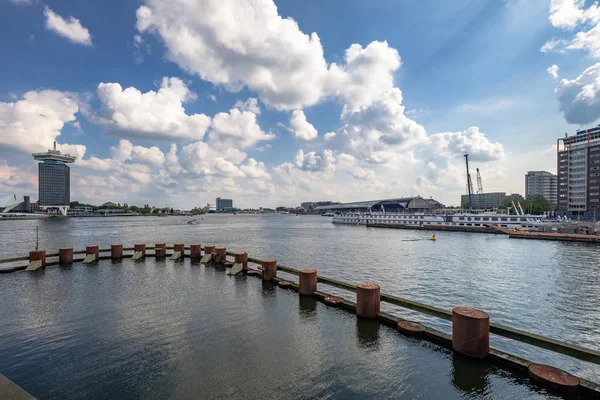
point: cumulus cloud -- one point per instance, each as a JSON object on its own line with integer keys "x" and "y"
{"x": 70, "y": 28}
{"x": 33, "y": 123}
{"x": 201, "y": 159}
{"x": 579, "y": 98}
{"x": 236, "y": 129}
{"x": 553, "y": 71}
{"x": 471, "y": 141}
{"x": 255, "y": 170}
{"x": 375, "y": 131}
{"x": 251, "y": 104}
{"x": 571, "y": 14}
{"x": 300, "y": 127}
{"x": 313, "y": 161}
{"x": 152, "y": 115}
{"x": 366, "y": 74}
{"x": 144, "y": 155}
{"x": 239, "y": 44}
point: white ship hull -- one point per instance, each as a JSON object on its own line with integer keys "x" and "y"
{"x": 465, "y": 221}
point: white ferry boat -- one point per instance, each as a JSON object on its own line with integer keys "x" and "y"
{"x": 463, "y": 220}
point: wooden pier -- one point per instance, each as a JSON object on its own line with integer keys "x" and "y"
{"x": 565, "y": 237}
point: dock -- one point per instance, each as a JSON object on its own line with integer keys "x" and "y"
{"x": 565, "y": 237}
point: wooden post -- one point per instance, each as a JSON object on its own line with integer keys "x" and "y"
{"x": 65, "y": 255}
{"x": 37, "y": 260}
{"x": 470, "y": 332}
{"x": 269, "y": 270}
{"x": 367, "y": 300}
{"x": 195, "y": 251}
{"x": 307, "y": 282}
{"x": 116, "y": 251}
{"x": 92, "y": 253}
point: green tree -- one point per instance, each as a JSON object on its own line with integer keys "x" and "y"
{"x": 536, "y": 204}
{"x": 197, "y": 211}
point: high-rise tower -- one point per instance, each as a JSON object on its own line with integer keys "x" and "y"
{"x": 54, "y": 177}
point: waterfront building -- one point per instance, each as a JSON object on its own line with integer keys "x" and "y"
{"x": 404, "y": 204}
{"x": 578, "y": 166}
{"x": 541, "y": 183}
{"x": 15, "y": 203}
{"x": 54, "y": 180}
{"x": 223, "y": 203}
{"x": 483, "y": 201}
{"x": 209, "y": 208}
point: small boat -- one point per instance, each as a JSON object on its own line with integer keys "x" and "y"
{"x": 328, "y": 215}
{"x": 192, "y": 222}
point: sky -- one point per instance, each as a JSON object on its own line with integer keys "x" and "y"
{"x": 274, "y": 103}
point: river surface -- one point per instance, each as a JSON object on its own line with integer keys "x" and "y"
{"x": 549, "y": 288}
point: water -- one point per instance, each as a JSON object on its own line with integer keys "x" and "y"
{"x": 550, "y": 288}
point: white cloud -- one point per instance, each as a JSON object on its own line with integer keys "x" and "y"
{"x": 33, "y": 123}
{"x": 255, "y": 170}
{"x": 201, "y": 159}
{"x": 313, "y": 161}
{"x": 366, "y": 74}
{"x": 144, "y": 155}
{"x": 565, "y": 13}
{"x": 239, "y": 44}
{"x": 212, "y": 97}
{"x": 376, "y": 131}
{"x": 236, "y": 129}
{"x": 300, "y": 127}
{"x": 329, "y": 136}
{"x": 553, "y": 44}
{"x": 580, "y": 98}
{"x": 70, "y": 29}
{"x": 151, "y": 115}
{"x": 251, "y": 104}
{"x": 553, "y": 71}
{"x": 471, "y": 141}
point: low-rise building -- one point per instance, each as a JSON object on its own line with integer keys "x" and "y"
{"x": 483, "y": 201}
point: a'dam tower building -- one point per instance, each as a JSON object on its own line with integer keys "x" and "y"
{"x": 54, "y": 180}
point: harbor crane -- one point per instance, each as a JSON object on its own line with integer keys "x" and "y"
{"x": 479, "y": 183}
{"x": 469, "y": 181}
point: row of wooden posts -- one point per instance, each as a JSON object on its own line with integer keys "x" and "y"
{"x": 470, "y": 327}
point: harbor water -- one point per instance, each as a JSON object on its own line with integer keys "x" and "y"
{"x": 134, "y": 324}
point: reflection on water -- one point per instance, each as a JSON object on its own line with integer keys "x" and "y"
{"x": 470, "y": 375}
{"x": 308, "y": 306}
{"x": 367, "y": 333}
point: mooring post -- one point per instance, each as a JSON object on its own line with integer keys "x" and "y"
{"x": 116, "y": 251}
{"x": 219, "y": 254}
{"x": 195, "y": 251}
{"x": 180, "y": 247}
{"x": 368, "y": 300}
{"x": 242, "y": 258}
{"x": 92, "y": 253}
{"x": 160, "y": 250}
{"x": 140, "y": 248}
{"x": 553, "y": 377}
{"x": 307, "y": 282}
{"x": 269, "y": 270}
{"x": 65, "y": 255}
{"x": 470, "y": 332}
{"x": 37, "y": 259}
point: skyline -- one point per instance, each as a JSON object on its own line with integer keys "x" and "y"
{"x": 281, "y": 103}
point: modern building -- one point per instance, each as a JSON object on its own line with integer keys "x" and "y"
{"x": 54, "y": 177}
{"x": 14, "y": 204}
{"x": 541, "y": 183}
{"x": 578, "y": 166}
{"x": 483, "y": 201}
{"x": 310, "y": 206}
{"x": 223, "y": 204}
{"x": 404, "y": 204}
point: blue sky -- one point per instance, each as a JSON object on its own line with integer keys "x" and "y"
{"x": 181, "y": 104}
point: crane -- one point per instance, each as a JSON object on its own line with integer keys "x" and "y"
{"x": 479, "y": 183}
{"x": 469, "y": 181}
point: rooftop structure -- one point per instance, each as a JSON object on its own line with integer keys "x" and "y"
{"x": 403, "y": 204}
{"x": 54, "y": 180}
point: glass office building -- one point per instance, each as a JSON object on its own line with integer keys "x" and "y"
{"x": 54, "y": 180}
